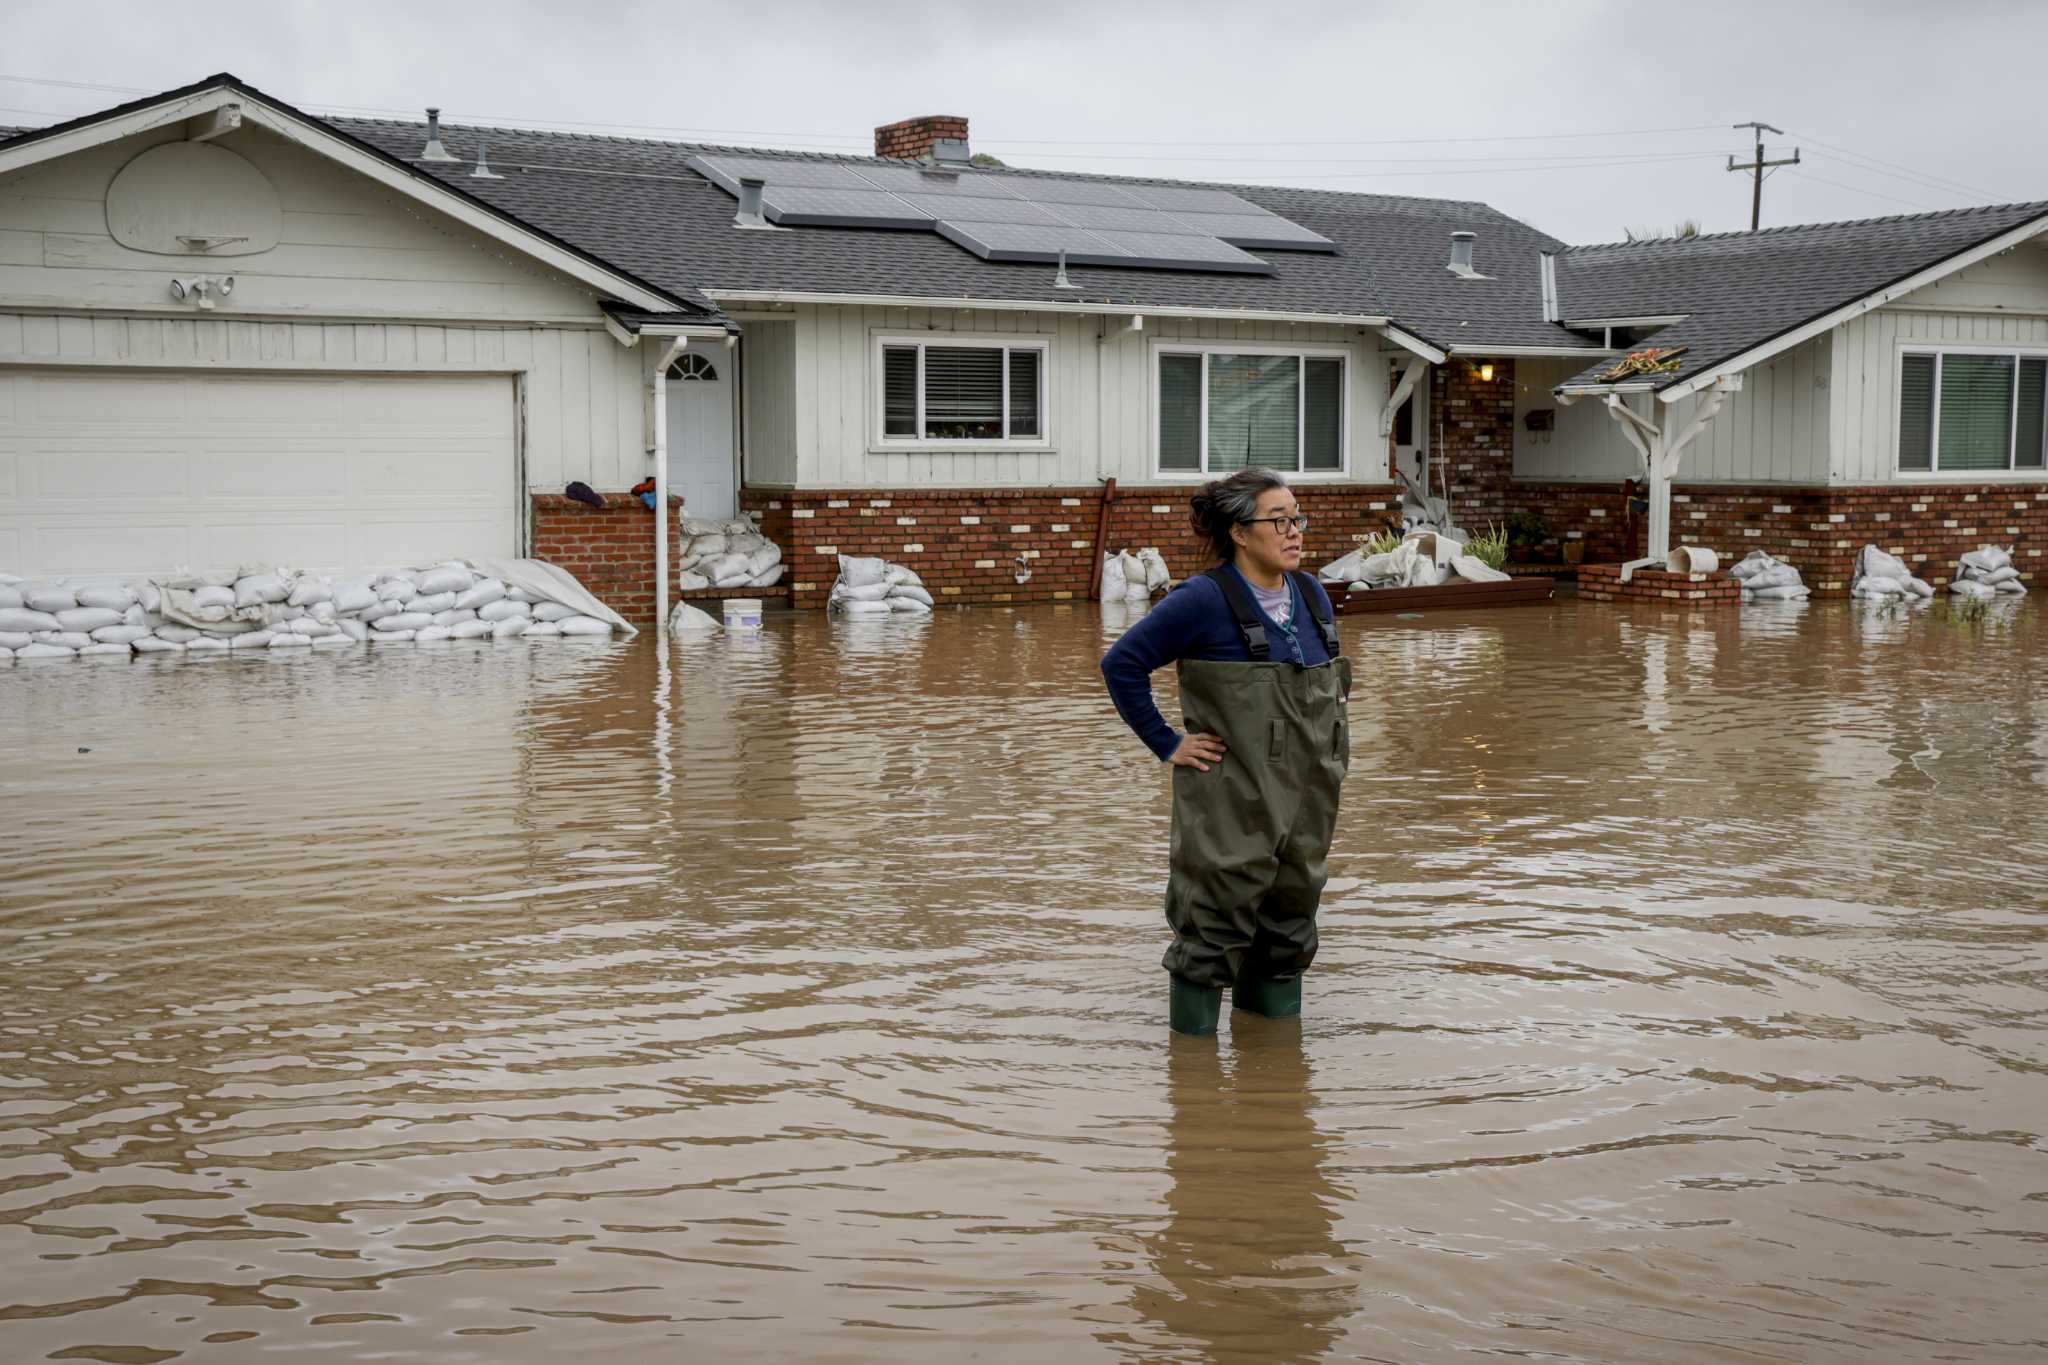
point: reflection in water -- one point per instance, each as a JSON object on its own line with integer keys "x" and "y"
{"x": 1248, "y": 1254}
{"x": 796, "y": 996}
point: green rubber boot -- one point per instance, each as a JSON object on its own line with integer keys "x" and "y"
{"x": 1273, "y": 999}
{"x": 1193, "y": 1009}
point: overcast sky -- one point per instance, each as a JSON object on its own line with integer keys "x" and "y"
{"x": 1584, "y": 119}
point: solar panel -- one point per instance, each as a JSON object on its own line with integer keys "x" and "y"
{"x": 1011, "y": 217}
{"x": 914, "y": 179}
{"x": 1025, "y": 242}
{"x": 1268, "y": 230}
{"x": 799, "y": 206}
{"x": 962, "y": 209}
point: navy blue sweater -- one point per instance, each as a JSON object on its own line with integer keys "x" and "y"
{"x": 1194, "y": 621}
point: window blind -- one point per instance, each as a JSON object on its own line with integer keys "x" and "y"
{"x": 1180, "y": 412}
{"x": 1254, "y": 411}
{"x": 963, "y": 393}
{"x": 1976, "y": 411}
{"x": 1024, "y": 402}
{"x": 1916, "y": 412}
{"x": 899, "y": 391}
{"x": 2027, "y": 452}
{"x": 1322, "y": 421}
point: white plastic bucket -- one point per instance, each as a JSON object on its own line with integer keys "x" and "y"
{"x": 742, "y": 613}
{"x": 1692, "y": 559}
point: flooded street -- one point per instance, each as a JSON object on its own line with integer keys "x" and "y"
{"x": 1683, "y": 996}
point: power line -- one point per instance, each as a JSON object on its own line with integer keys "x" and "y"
{"x": 1347, "y": 141}
{"x": 1856, "y": 189}
{"x": 1897, "y": 172}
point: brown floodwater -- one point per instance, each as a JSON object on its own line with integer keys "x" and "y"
{"x": 1683, "y": 996}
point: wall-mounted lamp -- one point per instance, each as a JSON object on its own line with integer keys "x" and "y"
{"x": 1486, "y": 372}
{"x": 201, "y": 289}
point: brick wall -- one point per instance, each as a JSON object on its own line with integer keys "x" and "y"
{"x": 1819, "y": 529}
{"x": 610, "y": 550}
{"x": 1602, "y": 583}
{"x": 967, "y": 544}
{"x": 913, "y": 137}
{"x": 1476, "y": 439}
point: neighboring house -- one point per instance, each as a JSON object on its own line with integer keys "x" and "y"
{"x": 420, "y": 352}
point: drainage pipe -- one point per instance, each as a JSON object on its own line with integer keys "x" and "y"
{"x": 666, "y": 356}
{"x": 1101, "y": 530}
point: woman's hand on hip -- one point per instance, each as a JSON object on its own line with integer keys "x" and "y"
{"x": 1197, "y": 752}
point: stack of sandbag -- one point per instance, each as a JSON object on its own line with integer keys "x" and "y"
{"x": 1133, "y": 576}
{"x": 1880, "y": 575}
{"x": 1985, "y": 573}
{"x": 727, "y": 554}
{"x": 1766, "y": 578}
{"x": 1423, "y": 559}
{"x": 278, "y": 608}
{"x": 875, "y": 587}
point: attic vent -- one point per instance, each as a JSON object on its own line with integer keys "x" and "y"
{"x": 1461, "y": 256}
{"x": 434, "y": 151}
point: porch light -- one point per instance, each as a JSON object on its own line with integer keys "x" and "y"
{"x": 1486, "y": 371}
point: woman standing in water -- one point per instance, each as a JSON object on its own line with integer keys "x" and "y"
{"x": 1256, "y": 777}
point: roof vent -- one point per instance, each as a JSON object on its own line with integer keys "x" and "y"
{"x": 1060, "y": 280}
{"x": 482, "y": 170}
{"x": 749, "y": 215}
{"x": 1547, "y": 265}
{"x": 1461, "y": 255}
{"x": 434, "y": 151}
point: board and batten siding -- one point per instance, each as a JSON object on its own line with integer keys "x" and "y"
{"x": 580, "y": 392}
{"x": 1866, "y": 409}
{"x": 1099, "y": 396}
{"x": 1774, "y": 431}
{"x": 768, "y": 418}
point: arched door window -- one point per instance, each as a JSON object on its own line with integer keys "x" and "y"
{"x": 690, "y": 366}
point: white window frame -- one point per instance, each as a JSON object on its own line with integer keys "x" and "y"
{"x": 1935, "y": 473}
{"x": 880, "y": 440}
{"x": 1205, "y": 349}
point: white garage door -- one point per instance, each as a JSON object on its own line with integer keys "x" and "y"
{"x": 142, "y": 471}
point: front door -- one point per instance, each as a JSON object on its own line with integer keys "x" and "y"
{"x": 700, "y": 432}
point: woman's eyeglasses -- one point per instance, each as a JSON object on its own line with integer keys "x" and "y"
{"x": 1280, "y": 524}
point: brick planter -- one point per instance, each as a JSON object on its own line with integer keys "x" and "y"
{"x": 969, "y": 544}
{"x": 1602, "y": 583}
{"x": 610, "y": 550}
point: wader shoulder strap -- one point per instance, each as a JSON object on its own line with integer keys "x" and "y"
{"x": 1250, "y": 624}
{"x": 1305, "y": 583}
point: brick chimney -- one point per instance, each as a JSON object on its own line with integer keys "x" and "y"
{"x": 914, "y": 138}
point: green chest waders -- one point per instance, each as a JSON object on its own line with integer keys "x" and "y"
{"x": 1251, "y": 834}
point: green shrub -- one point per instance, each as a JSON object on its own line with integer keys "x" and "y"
{"x": 1490, "y": 549}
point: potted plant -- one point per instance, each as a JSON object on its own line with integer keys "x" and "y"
{"x": 1526, "y": 531}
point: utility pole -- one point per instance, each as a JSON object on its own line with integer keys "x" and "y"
{"x": 1758, "y": 167}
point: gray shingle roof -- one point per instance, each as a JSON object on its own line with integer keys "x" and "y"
{"x": 635, "y": 202}
{"x": 1742, "y": 289}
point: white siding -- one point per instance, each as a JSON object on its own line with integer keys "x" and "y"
{"x": 768, "y": 369}
{"x": 348, "y": 248}
{"x": 1099, "y": 390}
{"x": 580, "y": 391}
{"x": 1866, "y": 367}
{"x": 1774, "y": 431}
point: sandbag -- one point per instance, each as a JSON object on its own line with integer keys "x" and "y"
{"x": 405, "y": 620}
{"x": 2011, "y": 587}
{"x": 149, "y": 644}
{"x": 28, "y": 619}
{"x": 16, "y": 639}
{"x": 1877, "y": 586}
{"x": 453, "y": 617}
{"x": 857, "y": 571}
{"x": 355, "y": 630}
{"x": 1964, "y": 587}
{"x": 556, "y": 611}
{"x": 122, "y": 634}
{"x": 480, "y": 594}
{"x": 10, "y": 597}
{"x": 177, "y": 634}
{"x": 2005, "y": 574}
{"x": 583, "y": 625}
{"x": 255, "y": 639}
{"x": 285, "y": 639}
{"x": 1114, "y": 587}
{"x": 724, "y": 568}
{"x": 113, "y": 599}
{"x": 909, "y": 606}
{"x": 136, "y": 616}
{"x": 445, "y": 578}
{"x": 706, "y": 546}
{"x": 906, "y": 591}
{"x": 507, "y": 627}
{"x": 764, "y": 559}
{"x": 433, "y": 603}
{"x": 1776, "y": 575}
{"x": 214, "y": 598}
{"x": 1157, "y": 575}
{"x": 685, "y": 582}
{"x": 865, "y": 592}
{"x": 768, "y": 579}
{"x": 310, "y": 628}
{"x": 203, "y": 644}
{"x": 146, "y": 595}
{"x": 471, "y": 629}
{"x": 515, "y": 593}
{"x": 689, "y": 620}
{"x": 41, "y": 651}
{"x": 902, "y": 573}
{"x": 47, "y": 597}
{"x": 391, "y": 637}
{"x": 1780, "y": 592}
{"x": 308, "y": 590}
{"x": 430, "y": 634}
{"x": 69, "y": 639}
{"x": 256, "y": 589}
{"x": 502, "y": 610}
{"x": 397, "y": 590}
{"x": 540, "y": 630}
{"x": 371, "y": 615}
{"x": 334, "y": 641}
{"x": 1986, "y": 559}
{"x": 89, "y": 618}
{"x": 861, "y": 606}
{"x": 96, "y": 651}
